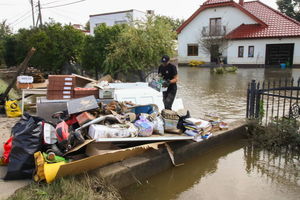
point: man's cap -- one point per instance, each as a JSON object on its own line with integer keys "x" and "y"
{"x": 165, "y": 58}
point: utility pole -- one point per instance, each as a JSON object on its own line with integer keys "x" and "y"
{"x": 40, "y": 13}
{"x": 32, "y": 10}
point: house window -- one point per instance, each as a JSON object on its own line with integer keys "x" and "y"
{"x": 192, "y": 49}
{"x": 251, "y": 51}
{"x": 241, "y": 52}
{"x": 121, "y": 22}
{"x": 215, "y": 26}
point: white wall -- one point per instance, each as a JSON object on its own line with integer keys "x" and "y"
{"x": 231, "y": 18}
{"x": 259, "y": 50}
{"x": 110, "y": 19}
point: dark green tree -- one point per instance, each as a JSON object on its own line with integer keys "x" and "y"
{"x": 56, "y": 46}
{"x": 5, "y": 32}
{"x": 95, "y": 47}
{"x": 290, "y": 7}
{"x": 140, "y": 46}
{"x": 87, "y": 26}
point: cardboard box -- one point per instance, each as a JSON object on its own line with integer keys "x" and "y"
{"x": 96, "y": 161}
{"x": 98, "y": 148}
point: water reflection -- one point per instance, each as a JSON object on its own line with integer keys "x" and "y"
{"x": 275, "y": 73}
{"x": 171, "y": 183}
{"x": 282, "y": 167}
{"x": 229, "y": 171}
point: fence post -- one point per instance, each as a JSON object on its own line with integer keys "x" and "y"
{"x": 252, "y": 99}
{"x": 257, "y": 103}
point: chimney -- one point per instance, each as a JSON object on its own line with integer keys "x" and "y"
{"x": 150, "y": 12}
{"x": 241, "y": 2}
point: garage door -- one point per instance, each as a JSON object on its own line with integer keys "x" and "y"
{"x": 279, "y": 53}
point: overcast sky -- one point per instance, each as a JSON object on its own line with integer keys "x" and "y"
{"x": 18, "y": 12}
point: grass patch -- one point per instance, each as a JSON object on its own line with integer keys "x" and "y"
{"x": 82, "y": 187}
{"x": 12, "y": 94}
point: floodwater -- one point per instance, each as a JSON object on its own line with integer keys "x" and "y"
{"x": 222, "y": 95}
{"x": 229, "y": 171}
{"x": 233, "y": 170}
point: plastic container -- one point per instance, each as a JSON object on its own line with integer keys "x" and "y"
{"x": 282, "y": 65}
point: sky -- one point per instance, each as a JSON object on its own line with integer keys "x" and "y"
{"x": 18, "y": 12}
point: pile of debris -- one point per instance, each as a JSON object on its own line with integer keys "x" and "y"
{"x": 80, "y": 137}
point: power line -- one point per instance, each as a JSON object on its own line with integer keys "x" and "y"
{"x": 64, "y": 4}
{"x": 17, "y": 16}
{"x": 21, "y": 17}
{"x": 51, "y": 2}
{"x": 64, "y": 16}
{"x": 26, "y": 17}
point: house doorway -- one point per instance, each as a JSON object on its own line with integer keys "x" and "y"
{"x": 279, "y": 53}
{"x": 214, "y": 54}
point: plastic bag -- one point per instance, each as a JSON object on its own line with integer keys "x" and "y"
{"x": 144, "y": 126}
{"x": 27, "y": 140}
{"x": 7, "y": 148}
{"x": 49, "y": 134}
{"x": 12, "y": 109}
{"x": 158, "y": 125}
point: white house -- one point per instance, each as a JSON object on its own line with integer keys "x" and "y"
{"x": 257, "y": 34}
{"x": 112, "y": 18}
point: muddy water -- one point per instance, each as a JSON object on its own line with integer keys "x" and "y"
{"x": 222, "y": 95}
{"x": 229, "y": 171}
{"x": 232, "y": 170}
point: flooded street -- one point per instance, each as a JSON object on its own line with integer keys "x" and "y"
{"x": 232, "y": 170}
{"x": 229, "y": 171}
{"x": 223, "y": 95}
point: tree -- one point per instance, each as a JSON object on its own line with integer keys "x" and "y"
{"x": 139, "y": 47}
{"x": 95, "y": 47}
{"x": 214, "y": 44}
{"x": 5, "y": 32}
{"x": 56, "y": 46}
{"x": 175, "y": 23}
{"x": 290, "y": 7}
{"x": 87, "y": 26}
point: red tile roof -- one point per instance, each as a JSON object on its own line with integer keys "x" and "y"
{"x": 215, "y": 1}
{"x": 271, "y": 23}
{"x": 278, "y": 24}
{"x": 214, "y": 4}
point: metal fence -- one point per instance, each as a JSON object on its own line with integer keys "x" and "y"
{"x": 274, "y": 99}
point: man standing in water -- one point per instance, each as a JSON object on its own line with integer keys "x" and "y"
{"x": 170, "y": 77}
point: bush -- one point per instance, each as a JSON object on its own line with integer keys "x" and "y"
{"x": 222, "y": 70}
{"x": 231, "y": 69}
{"x": 277, "y": 134}
{"x": 218, "y": 70}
